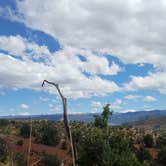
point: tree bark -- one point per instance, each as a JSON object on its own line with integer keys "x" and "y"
{"x": 65, "y": 118}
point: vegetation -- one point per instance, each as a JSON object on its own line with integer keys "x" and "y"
{"x": 98, "y": 147}
{"x": 50, "y": 135}
{"x": 162, "y": 155}
{"x": 161, "y": 141}
{"x": 95, "y": 147}
{"x": 102, "y": 120}
{"x": 148, "y": 140}
{"x": 19, "y": 159}
{"x": 3, "y": 149}
{"x": 25, "y": 130}
{"x": 97, "y": 144}
{"x": 49, "y": 160}
{"x": 3, "y": 122}
{"x": 143, "y": 154}
{"x": 20, "y": 142}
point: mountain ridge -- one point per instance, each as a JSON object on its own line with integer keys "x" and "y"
{"x": 116, "y": 119}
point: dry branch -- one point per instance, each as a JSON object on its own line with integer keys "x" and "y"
{"x": 65, "y": 118}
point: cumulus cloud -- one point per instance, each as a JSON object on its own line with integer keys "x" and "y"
{"x": 24, "y": 106}
{"x": 116, "y": 104}
{"x": 44, "y": 99}
{"x": 128, "y": 110}
{"x": 19, "y": 46}
{"x": 131, "y": 97}
{"x": 96, "y": 106}
{"x": 55, "y": 108}
{"x": 133, "y": 31}
{"x": 149, "y": 99}
{"x": 19, "y": 69}
{"x": 155, "y": 81}
{"x": 24, "y": 113}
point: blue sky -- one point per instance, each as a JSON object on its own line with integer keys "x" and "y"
{"x": 96, "y": 59}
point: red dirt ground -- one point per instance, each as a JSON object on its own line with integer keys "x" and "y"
{"x": 38, "y": 149}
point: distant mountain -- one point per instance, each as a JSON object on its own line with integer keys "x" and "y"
{"x": 116, "y": 119}
{"x": 150, "y": 122}
{"x": 122, "y": 118}
{"x": 157, "y": 124}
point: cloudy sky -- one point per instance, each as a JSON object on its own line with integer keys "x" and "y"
{"x": 97, "y": 51}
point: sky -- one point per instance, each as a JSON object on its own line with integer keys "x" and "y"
{"x": 97, "y": 51}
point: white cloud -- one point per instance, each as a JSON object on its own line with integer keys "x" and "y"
{"x": 55, "y": 108}
{"x": 131, "y": 97}
{"x": 24, "y": 106}
{"x": 127, "y": 110}
{"x": 116, "y": 104}
{"x": 155, "y": 81}
{"x": 44, "y": 99}
{"x": 149, "y": 99}
{"x": 24, "y": 113}
{"x": 19, "y": 46}
{"x": 96, "y": 106}
{"x": 131, "y": 30}
{"x": 72, "y": 112}
{"x": 11, "y": 110}
{"x": 63, "y": 67}
{"x": 51, "y": 106}
{"x": 118, "y": 101}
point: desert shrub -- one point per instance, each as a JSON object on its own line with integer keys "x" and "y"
{"x": 161, "y": 141}
{"x": 20, "y": 142}
{"x": 148, "y": 140}
{"x": 49, "y": 160}
{"x": 162, "y": 156}
{"x": 93, "y": 148}
{"x": 99, "y": 122}
{"x": 3, "y": 150}
{"x": 19, "y": 159}
{"x": 96, "y": 149}
{"x": 119, "y": 143}
{"x": 143, "y": 154}
{"x": 25, "y": 130}
{"x": 64, "y": 145}
{"x": 50, "y": 135}
{"x": 3, "y": 122}
{"x": 102, "y": 120}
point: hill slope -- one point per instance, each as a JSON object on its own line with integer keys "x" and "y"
{"x": 116, "y": 119}
{"x": 157, "y": 124}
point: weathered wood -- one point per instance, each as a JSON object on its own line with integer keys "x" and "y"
{"x": 65, "y": 118}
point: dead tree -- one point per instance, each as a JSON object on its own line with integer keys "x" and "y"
{"x": 30, "y": 144}
{"x": 65, "y": 118}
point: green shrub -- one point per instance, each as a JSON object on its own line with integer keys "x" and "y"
{"x": 148, "y": 140}
{"x": 96, "y": 149}
{"x": 143, "y": 154}
{"x": 49, "y": 160}
{"x": 3, "y": 150}
{"x": 50, "y": 135}
{"x": 19, "y": 159}
{"x": 161, "y": 141}
{"x": 64, "y": 145}
{"x": 162, "y": 155}
{"x": 25, "y": 130}
{"x": 3, "y": 122}
{"x": 102, "y": 120}
{"x": 20, "y": 142}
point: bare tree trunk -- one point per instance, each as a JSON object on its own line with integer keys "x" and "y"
{"x": 66, "y": 121}
{"x": 30, "y": 143}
